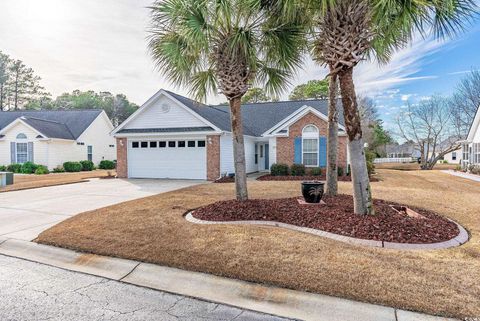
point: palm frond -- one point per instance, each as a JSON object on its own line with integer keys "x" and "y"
{"x": 275, "y": 80}
{"x": 202, "y": 84}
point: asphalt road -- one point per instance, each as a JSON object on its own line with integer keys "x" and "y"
{"x": 33, "y": 291}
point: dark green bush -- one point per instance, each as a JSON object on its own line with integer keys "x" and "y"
{"x": 340, "y": 171}
{"x": 29, "y": 168}
{"x": 370, "y": 156}
{"x": 42, "y": 170}
{"x": 297, "y": 170}
{"x": 87, "y": 166}
{"x": 14, "y": 168}
{"x": 316, "y": 171}
{"x": 58, "y": 169}
{"x": 72, "y": 166}
{"x": 3, "y": 168}
{"x": 106, "y": 164}
{"x": 279, "y": 170}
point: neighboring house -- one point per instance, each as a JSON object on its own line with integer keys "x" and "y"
{"x": 171, "y": 136}
{"x": 51, "y": 138}
{"x": 405, "y": 150}
{"x": 453, "y": 157}
{"x": 471, "y": 146}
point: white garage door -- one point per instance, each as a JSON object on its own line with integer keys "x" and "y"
{"x": 169, "y": 158}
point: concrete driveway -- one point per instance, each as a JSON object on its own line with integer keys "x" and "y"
{"x": 25, "y": 214}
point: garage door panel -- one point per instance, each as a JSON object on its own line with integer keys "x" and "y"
{"x": 167, "y": 162}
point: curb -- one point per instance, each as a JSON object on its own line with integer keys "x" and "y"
{"x": 460, "y": 239}
{"x": 245, "y": 295}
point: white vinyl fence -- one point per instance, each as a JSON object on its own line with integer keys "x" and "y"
{"x": 394, "y": 160}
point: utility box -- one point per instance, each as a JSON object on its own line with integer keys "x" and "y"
{"x": 6, "y": 178}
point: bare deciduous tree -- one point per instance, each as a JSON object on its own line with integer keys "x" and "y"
{"x": 467, "y": 99}
{"x": 433, "y": 126}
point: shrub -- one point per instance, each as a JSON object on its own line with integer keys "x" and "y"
{"x": 370, "y": 156}
{"x": 279, "y": 170}
{"x": 87, "y": 165}
{"x": 72, "y": 166}
{"x": 3, "y": 168}
{"x": 58, "y": 169}
{"x": 474, "y": 169}
{"x": 458, "y": 168}
{"x": 14, "y": 168}
{"x": 340, "y": 171}
{"x": 316, "y": 171}
{"x": 106, "y": 164}
{"x": 42, "y": 170}
{"x": 29, "y": 168}
{"x": 297, "y": 170}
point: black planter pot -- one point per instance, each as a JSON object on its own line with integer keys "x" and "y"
{"x": 312, "y": 191}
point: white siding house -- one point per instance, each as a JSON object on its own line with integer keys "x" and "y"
{"x": 51, "y": 138}
{"x": 471, "y": 146}
{"x": 171, "y": 136}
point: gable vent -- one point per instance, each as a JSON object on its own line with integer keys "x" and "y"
{"x": 164, "y": 108}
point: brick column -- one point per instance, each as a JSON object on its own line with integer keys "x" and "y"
{"x": 122, "y": 166}
{"x": 213, "y": 157}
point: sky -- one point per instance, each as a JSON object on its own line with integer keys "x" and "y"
{"x": 101, "y": 45}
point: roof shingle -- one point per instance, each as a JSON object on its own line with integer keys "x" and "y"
{"x": 257, "y": 118}
{"x": 62, "y": 124}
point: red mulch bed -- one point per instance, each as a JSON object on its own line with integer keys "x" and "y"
{"x": 225, "y": 179}
{"x": 337, "y": 217}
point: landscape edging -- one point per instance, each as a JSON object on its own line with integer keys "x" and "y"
{"x": 458, "y": 240}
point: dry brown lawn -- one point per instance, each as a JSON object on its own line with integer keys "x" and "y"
{"x": 412, "y": 166}
{"x": 442, "y": 282}
{"x": 22, "y": 182}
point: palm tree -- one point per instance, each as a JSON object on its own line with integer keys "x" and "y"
{"x": 225, "y": 45}
{"x": 348, "y": 31}
{"x": 332, "y": 137}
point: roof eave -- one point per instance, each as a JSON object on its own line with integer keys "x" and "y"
{"x": 197, "y": 133}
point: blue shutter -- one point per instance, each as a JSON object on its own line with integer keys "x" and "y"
{"x": 322, "y": 151}
{"x": 30, "y": 152}
{"x": 297, "y": 159}
{"x": 13, "y": 152}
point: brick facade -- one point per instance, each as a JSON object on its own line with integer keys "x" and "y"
{"x": 122, "y": 166}
{"x": 213, "y": 157}
{"x": 285, "y": 145}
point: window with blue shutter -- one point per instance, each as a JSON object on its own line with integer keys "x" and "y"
{"x": 322, "y": 151}
{"x": 297, "y": 159}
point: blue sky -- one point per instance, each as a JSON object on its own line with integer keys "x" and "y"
{"x": 443, "y": 69}
{"x": 101, "y": 45}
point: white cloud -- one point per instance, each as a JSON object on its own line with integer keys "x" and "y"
{"x": 371, "y": 77}
{"x": 101, "y": 45}
{"x": 379, "y": 81}
{"x": 406, "y": 97}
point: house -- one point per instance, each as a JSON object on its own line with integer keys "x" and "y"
{"x": 405, "y": 150}
{"x": 453, "y": 157}
{"x": 171, "y": 136}
{"x": 51, "y": 138}
{"x": 471, "y": 146}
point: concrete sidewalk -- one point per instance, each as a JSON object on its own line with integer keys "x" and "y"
{"x": 471, "y": 177}
{"x": 256, "y": 297}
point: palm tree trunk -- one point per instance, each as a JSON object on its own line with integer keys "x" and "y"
{"x": 362, "y": 193}
{"x": 332, "y": 139}
{"x": 238, "y": 149}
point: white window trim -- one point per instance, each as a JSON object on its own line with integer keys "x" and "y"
{"x": 16, "y": 151}
{"x": 88, "y": 154}
{"x": 311, "y": 135}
